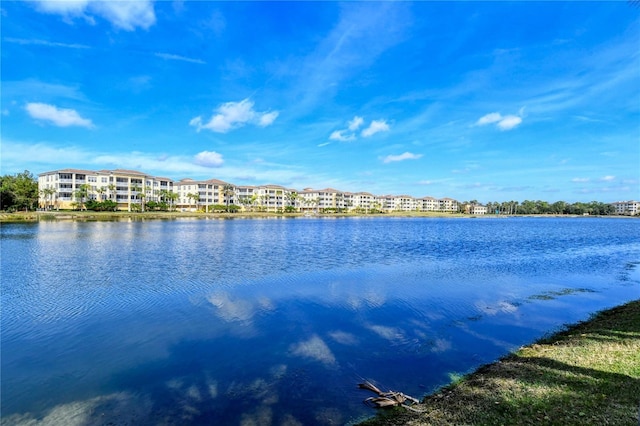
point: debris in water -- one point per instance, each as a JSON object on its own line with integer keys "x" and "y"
{"x": 387, "y": 399}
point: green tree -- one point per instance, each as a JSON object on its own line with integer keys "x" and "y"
{"x": 227, "y": 191}
{"x": 195, "y": 197}
{"x": 291, "y": 199}
{"x": 112, "y": 192}
{"x": 81, "y": 194}
{"x": 18, "y": 192}
{"x": 47, "y": 194}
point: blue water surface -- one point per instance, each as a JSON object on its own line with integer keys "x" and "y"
{"x": 275, "y": 321}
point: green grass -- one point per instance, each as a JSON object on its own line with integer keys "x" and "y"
{"x": 588, "y": 374}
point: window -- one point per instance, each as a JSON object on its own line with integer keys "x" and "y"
{"x": 103, "y": 180}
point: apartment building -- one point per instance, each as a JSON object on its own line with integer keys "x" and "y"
{"x": 315, "y": 200}
{"x": 448, "y": 205}
{"x": 131, "y": 190}
{"x": 429, "y": 204}
{"x": 196, "y": 195}
{"x": 629, "y": 208}
{"x": 65, "y": 189}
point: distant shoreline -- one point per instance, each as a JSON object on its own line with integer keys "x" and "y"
{"x": 19, "y": 217}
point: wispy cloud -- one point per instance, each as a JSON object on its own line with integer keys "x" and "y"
{"x": 61, "y": 117}
{"x": 376, "y": 126}
{"x": 506, "y": 122}
{"x": 355, "y": 123}
{"x": 363, "y": 32}
{"x": 580, "y": 180}
{"x": 125, "y": 15}
{"x": 607, "y": 179}
{"x": 339, "y": 135}
{"x": 350, "y": 133}
{"x": 233, "y": 115}
{"x": 172, "y": 57}
{"x": 208, "y": 159}
{"x": 45, "y": 43}
{"x": 401, "y": 157}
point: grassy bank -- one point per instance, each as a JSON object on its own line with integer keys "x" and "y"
{"x": 588, "y": 374}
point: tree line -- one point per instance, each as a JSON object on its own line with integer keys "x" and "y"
{"x": 20, "y": 192}
{"x": 543, "y": 207}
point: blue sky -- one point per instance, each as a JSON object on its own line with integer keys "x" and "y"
{"x": 491, "y": 101}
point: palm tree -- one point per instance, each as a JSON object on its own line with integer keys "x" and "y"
{"x": 101, "y": 192}
{"x": 136, "y": 188}
{"x": 291, "y": 198}
{"x": 172, "y": 197}
{"x": 142, "y": 195}
{"x": 195, "y": 197}
{"x": 47, "y": 193}
{"x": 245, "y": 201}
{"x": 81, "y": 193}
{"x": 227, "y": 191}
{"x": 264, "y": 200}
{"x": 112, "y": 189}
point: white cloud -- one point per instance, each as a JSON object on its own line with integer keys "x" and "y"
{"x": 356, "y": 123}
{"x": 506, "y": 122}
{"x": 509, "y": 122}
{"x": 349, "y": 134}
{"x": 376, "y": 126}
{"x": 489, "y": 118}
{"x": 339, "y": 135}
{"x": 60, "y": 117}
{"x": 401, "y": 157}
{"x": 580, "y": 180}
{"x": 607, "y": 178}
{"x": 126, "y": 15}
{"x": 266, "y": 119}
{"x": 70, "y": 7}
{"x": 208, "y": 159}
{"x": 172, "y": 57}
{"x": 232, "y": 115}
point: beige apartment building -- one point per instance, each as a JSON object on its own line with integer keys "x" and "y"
{"x": 629, "y": 208}
{"x": 131, "y": 190}
{"x": 194, "y": 195}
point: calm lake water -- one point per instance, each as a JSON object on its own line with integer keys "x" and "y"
{"x": 275, "y": 321}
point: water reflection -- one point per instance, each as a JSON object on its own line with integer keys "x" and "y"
{"x": 274, "y": 321}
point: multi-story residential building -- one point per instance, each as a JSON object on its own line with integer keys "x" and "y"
{"x": 202, "y": 194}
{"x": 475, "y": 209}
{"x": 448, "y": 205}
{"x": 69, "y": 188}
{"x": 319, "y": 199}
{"x": 248, "y": 196}
{"x": 363, "y": 201}
{"x": 273, "y": 198}
{"x": 630, "y": 208}
{"x": 429, "y": 204}
{"x": 131, "y": 190}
